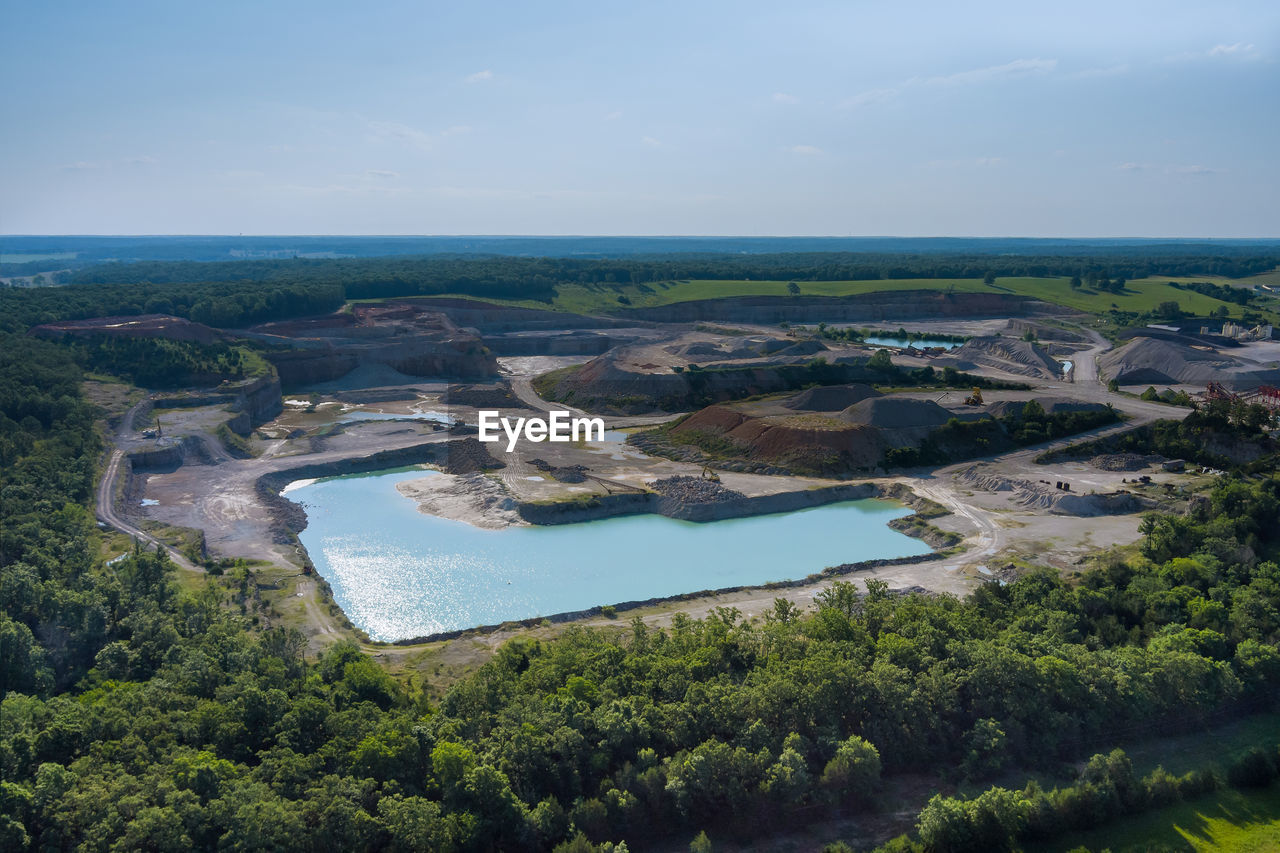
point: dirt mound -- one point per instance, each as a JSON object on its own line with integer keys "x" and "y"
{"x": 623, "y": 381}
{"x": 896, "y": 413}
{"x": 708, "y": 351}
{"x": 485, "y": 397}
{"x": 803, "y": 442}
{"x": 802, "y": 348}
{"x": 1043, "y": 331}
{"x": 1008, "y": 355}
{"x": 1151, "y": 361}
{"x": 604, "y": 384}
{"x": 830, "y": 398}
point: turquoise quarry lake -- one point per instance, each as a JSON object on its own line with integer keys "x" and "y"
{"x": 906, "y": 343}
{"x": 399, "y": 573}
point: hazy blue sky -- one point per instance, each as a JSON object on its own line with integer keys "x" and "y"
{"x": 904, "y": 118}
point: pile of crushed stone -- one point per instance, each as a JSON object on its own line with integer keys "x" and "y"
{"x": 564, "y": 473}
{"x": 830, "y": 398}
{"x": 467, "y": 456}
{"x": 1123, "y": 461}
{"x": 694, "y": 490}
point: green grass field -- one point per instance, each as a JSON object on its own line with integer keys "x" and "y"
{"x": 1226, "y": 821}
{"x": 1139, "y": 296}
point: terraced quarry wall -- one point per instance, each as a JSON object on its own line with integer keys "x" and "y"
{"x": 863, "y": 308}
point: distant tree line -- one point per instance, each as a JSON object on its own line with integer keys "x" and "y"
{"x": 241, "y": 293}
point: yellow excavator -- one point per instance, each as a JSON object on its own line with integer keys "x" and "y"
{"x": 708, "y": 474}
{"x": 974, "y": 399}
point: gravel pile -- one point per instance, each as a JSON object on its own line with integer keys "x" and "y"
{"x": 1122, "y": 461}
{"x": 467, "y": 456}
{"x": 565, "y": 474}
{"x": 484, "y": 397}
{"x": 830, "y": 398}
{"x": 694, "y": 490}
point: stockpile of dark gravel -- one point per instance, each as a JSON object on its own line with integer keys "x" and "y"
{"x": 694, "y": 490}
{"x": 467, "y": 456}
{"x": 484, "y": 397}
{"x": 1122, "y": 461}
{"x": 564, "y": 473}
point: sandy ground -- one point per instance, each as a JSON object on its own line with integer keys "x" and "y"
{"x": 474, "y": 498}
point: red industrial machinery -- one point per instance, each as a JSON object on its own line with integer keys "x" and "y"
{"x": 1215, "y": 391}
{"x": 1265, "y": 395}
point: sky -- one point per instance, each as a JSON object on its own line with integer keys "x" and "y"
{"x": 1083, "y": 119}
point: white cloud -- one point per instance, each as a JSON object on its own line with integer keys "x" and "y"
{"x": 650, "y": 142}
{"x": 784, "y": 98}
{"x": 613, "y": 116}
{"x": 974, "y": 76}
{"x": 805, "y": 150}
{"x": 381, "y": 173}
{"x": 478, "y": 77}
{"x": 1194, "y": 170}
{"x": 1016, "y": 68}
{"x": 988, "y": 161}
{"x": 82, "y": 166}
{"x": 1133, "y": 167}
{"x": 143, "y": 160}
{"x": 871, "y": 96}
{"x": 1239, "y": 49}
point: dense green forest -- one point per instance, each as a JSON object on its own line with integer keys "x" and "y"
{"x": 241, "y": 293}
{"x": 162, "y": 363}
{"x": 137, "y": 715}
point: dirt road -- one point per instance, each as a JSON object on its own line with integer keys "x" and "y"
{"x": 107, "y": 514}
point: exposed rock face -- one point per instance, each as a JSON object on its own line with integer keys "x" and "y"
{"x": 254, "y": 402}
{"x": 405, "y": 338}
{"x": 1009, "y": 355}
{"x": 563, "y": 343}
{"x": 165, "y": 456}
{"x": 1043, "y": 331}
{"x": 1149, "y": 360}
{"x": 489, "y": 318}
{"x": 865, "y": 308}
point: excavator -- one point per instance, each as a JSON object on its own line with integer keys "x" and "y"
{"x": 974, "y": 399}
{"x": 708, "y": 474}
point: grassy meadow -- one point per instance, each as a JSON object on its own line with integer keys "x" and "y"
{"x": 1141, "y": 295}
